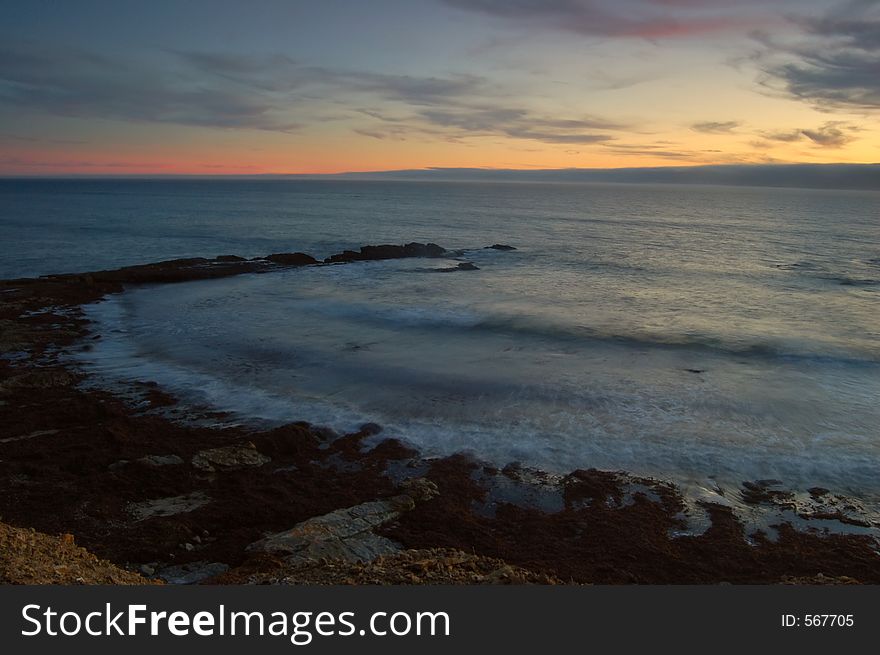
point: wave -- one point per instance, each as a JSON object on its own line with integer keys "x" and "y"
{"x": 464, "y": 319}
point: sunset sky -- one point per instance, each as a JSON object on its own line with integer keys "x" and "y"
{"x": 281, "y": 86}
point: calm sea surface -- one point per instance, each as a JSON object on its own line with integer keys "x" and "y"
{"x": 699, "y": 333}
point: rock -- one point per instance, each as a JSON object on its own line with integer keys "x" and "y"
{"x": 168, "y": 506}
{"x": 156, "y": 461}
{"x": 147, "y": 570}
{"x": 229, "y": 458}
{"x": 419, "y": 489}
{"x": 499, "y": 246}
{"x": 229, "y": 258}
{"x": 324, "y": 433}
{"x": 30, "y": 435}
{"x": 368, "y": 253}
{"x": 187, "y": 547}
{"x": 192, "y": 573}
{"x": 370, "y": 429}
{"x": 345, "y": 534}
{"x": 40, "y": 379}
{"x": 292, "y": 259}
{"x": 463, "y": 266}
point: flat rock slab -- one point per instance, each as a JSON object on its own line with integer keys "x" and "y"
{"x": 230, "y": 457}
{"x": 168, "y": 506}
{"x": 160, "y": 460}
{"x": 32, "y": 435}
{"x": 345, "y": 534}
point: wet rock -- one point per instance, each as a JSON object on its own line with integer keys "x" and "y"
{"x": 463, "y": 266}
{"x": 370, "y": 429}
{"x": 368, "y": 253}
{"x": 160, "y": 460}
{"x": 292, "y": 259}
{"x": 147, "y": 570}
{"x": 324, "y": 433}
{"x": 761, "y": 492}
{"x": 229, "y": 458}
{"x": 192, "y": 573}
{"x": 230, "y": 258}
{"x": 168, "y": 506}
{"x": 499, "y": 246}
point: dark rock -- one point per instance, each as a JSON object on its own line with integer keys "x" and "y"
{"x": 370, "y": 429}
{"x": 369, "y": 253}
{"x": 463, "y": 266}
{"x": 695, "y": 370}
{"x": 324, "y": 433}
{"x": 156, "y": 461}
{"x": 499, "y": 246}
{"x": 229, "y": 258}
{"x": 192, "y": 572}
{"x": 292, "y": 259}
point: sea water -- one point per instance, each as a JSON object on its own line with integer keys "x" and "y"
{"x": 690, "y": 332}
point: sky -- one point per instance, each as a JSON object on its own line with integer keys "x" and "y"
{"x": 282, "y": 86}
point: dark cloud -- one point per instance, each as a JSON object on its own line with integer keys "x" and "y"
{"x": 69, "y": 82}
{"x": 520, "y": 124}
{"x": 836, "y": 62}
{"x": 273, "y": 93}
{"x": 716, "y": 127}
{"x": 632, "y": 18}
{"x": 833, "y": 134}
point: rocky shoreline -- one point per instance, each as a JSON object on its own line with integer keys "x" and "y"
{"x": 192, "y": 501}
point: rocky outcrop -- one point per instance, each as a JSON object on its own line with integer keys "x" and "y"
{"x": 292, "y": 259}
{"x": 170, "y": 506}
{"x": 499, "y": 246}
{"x": 368, "y": 253}
{"x": 155, "y": 461}
{"x": 346, "y": 534}
{"x": 229, "y": 457}
{"x": 463, "y": 266}
{"x": 31, "y": 557}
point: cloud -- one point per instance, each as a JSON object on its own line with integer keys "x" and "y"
{"x": 20, "y": 162}
{"x": 520, "y": 124}
{"x": 35, "y": 139}
{"x": 834, "y": 64}
{"x": 69, "y": 82}
{"x": 716, "y": 127}
{"x": 828, "y": 136}
{"x": 276, "y": 93}
{"x": 650, "y": 19}
{"x": 832, "y": 134}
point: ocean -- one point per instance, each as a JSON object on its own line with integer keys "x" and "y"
{"x": 707, "y": 335}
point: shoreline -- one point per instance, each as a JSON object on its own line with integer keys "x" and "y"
{"x": 190, "y": 502}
